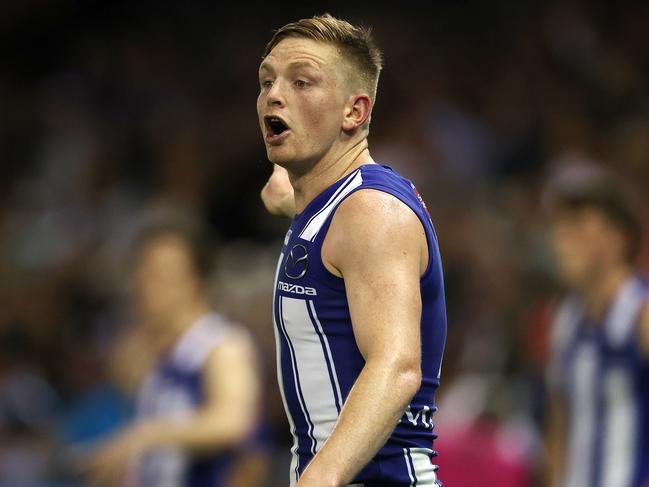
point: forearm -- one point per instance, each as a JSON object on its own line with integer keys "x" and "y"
{"x": 201, "y": 432}
{"x": 381, "y": 392}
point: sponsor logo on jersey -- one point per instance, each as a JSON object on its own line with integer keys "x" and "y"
{"x": 297, "y": 262}
{"x": 296, "y": 289}
{"x": 421, "y": 417}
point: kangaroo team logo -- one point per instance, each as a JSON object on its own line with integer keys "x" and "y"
{"x": 297, "y": 262}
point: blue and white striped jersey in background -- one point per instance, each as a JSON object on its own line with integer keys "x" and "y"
{"x": 317, "y": 355}
{"x": 604, "y": 377}
{"x": 172, "y": 391}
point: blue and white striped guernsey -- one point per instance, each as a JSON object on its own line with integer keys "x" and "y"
{"x": 604, "y": 377}
{"x": 317, "y": 356}
{"x": 174, "y": 390}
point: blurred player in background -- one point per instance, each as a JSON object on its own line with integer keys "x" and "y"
{"x": 198, "y": 402}
{"x": 599, "y": 376}
{"x": 359, "y": 299}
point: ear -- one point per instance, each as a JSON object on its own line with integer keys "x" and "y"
{"x": 357, "y": 112}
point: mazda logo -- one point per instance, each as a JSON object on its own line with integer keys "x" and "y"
{"x": 297, "y": 262}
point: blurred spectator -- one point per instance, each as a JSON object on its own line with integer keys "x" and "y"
{"x": 198, "y": 397}
{"x": 598, "y": 425}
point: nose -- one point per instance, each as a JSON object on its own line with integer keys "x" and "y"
{"x": 275, "y": 96}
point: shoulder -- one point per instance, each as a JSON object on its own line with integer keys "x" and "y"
{"x": 376, "y": 214}
{"x": 371, "y": 205}
{"x": 209, "y": 334}
{"x": 236, "y": 345}
{"x": 371, "y": 224}
{"x": 235, "y": 355}
{"x": 232, "y": 336}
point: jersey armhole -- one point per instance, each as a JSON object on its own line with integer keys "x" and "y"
{"x": 430, "y": 242}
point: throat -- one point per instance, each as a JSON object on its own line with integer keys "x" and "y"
{"x": 325, "y": 173}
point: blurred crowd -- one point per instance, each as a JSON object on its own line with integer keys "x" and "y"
{"x": 115, "y": 113}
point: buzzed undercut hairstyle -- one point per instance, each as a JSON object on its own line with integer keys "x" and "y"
{"x": 355, "y": 44}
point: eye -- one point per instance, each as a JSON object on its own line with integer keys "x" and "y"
{"x": 300, "y": 83}
{"x": 267, "y": 83}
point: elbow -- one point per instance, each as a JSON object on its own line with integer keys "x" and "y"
{"x": 270, "y": 200}
{"x": 218, "y": 432}
{"x": 277, "y": 203}
{"x": 408, "y": 375}
{"x": 238, "y": 429}
{"x": 401, "y": 373}
{"x": 233, "y": 437}
{"x": 410, "y": 381}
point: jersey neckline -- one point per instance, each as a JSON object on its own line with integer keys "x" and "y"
{"x": 325, "y": 193}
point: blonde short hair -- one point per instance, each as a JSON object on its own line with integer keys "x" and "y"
{"x": 355, "y": 44}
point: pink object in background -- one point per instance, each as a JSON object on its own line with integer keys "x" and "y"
{"x": 482, "y": 453}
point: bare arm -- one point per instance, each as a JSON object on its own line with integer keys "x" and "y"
{"x": 378, "y": 246}
{"x": 277, "y": 194}
{"x": 232, "y": 391}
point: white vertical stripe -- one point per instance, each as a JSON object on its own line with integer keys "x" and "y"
{"x": 564, "y": 324}
{"x": 332, "y": 197}
{"x": 407, "y": 460}
{"x": 280, "y": 381}
{"x": 312, "y": 228}
{"x": 296, "y": 380}
{"x": 424, "y": 470}
{"x": 621, "y": 321}
{"x": 312, "y": 368}
{"x": 583, "y": 416}
{"x": 620, "y": 429}
{"x": 330, "y": 358}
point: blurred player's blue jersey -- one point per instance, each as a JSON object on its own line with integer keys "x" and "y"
{"x": 173, "y": 391}
{"x": 317, "y": 355}
{"x": 600, "y": 370}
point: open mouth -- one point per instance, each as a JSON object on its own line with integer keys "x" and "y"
{"x": 275, "y": 125}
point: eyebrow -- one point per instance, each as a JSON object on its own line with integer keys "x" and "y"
{"x": 294, "y": 64}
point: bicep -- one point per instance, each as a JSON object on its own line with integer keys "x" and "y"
{"x": 230, "y": 377}
{"x": 385, "y": 306}
{"x": 377, "y": 244}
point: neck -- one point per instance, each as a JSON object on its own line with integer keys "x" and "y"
{"x": 600, "y": 292}
{"x": 327, "y": 171}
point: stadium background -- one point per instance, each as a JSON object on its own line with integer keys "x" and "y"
{"x": 111, "y": 112}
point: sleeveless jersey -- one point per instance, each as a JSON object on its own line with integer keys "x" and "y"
{"x": 605, "y": 380}
{"x": 174, "y": 390}
{"x": 317, "y": 355}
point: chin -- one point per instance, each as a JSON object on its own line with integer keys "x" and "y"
{"x": 280, "y": 157}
